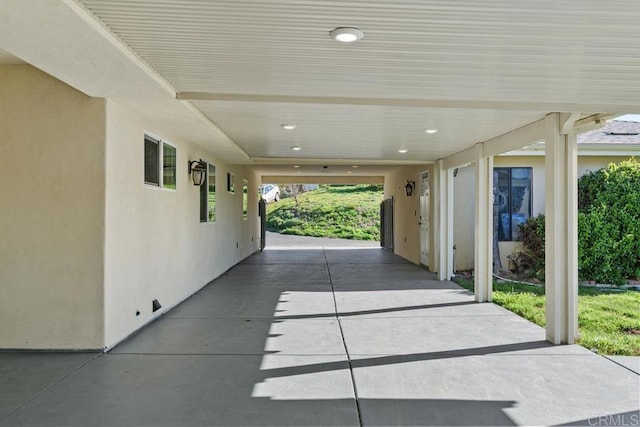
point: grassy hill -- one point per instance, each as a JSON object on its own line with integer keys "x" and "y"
{"x": 347, "y": 212}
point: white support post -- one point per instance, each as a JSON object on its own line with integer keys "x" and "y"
{"x": 489, "y": 226}
{"x": 449, "y": 212}
{"x": 483, "y": 226}
{"x": 442, "y": 221}
{"x": 561, "y": 233}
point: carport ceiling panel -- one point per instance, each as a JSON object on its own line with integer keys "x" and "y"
{"x": 501, "y": 50}
{"x": 357, "y": 132}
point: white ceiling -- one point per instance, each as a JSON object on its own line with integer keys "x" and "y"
{"x": 474, "y": 70}
{"x": 357, "y": 132}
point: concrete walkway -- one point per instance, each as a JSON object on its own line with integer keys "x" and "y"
{"x": 286, "y": 241}
{"x": 324, "y": 337}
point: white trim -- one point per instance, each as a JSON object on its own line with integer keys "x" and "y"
{"x": 587, "y": 150}
{"x": 206, "y": 185}
{"x": 160, "y": 142}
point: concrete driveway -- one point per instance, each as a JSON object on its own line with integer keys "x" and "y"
{"x": 324, "y": 337}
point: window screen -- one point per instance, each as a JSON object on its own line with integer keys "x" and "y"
{"x": 512, "y": 191}
{"x": 151, "y": 161}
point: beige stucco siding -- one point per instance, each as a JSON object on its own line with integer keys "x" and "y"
{"x": 406, "y": 211}
{"x": 52, "y": 169}
{"x": 156, "y": 247}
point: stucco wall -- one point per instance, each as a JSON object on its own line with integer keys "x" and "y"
{"x": 156, "y": 247}
{"x": 52, "y": 217}
{"x": 463, "y": 213}
{"x": 464, "y": 185}
{"x": 406, "y": 211}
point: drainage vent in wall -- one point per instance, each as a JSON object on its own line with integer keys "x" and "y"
{"x": 155, "y": 305}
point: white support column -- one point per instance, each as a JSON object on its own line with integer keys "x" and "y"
{"x": 489, "y": 224}
{"x": 483, "y": 225}
{"x": 443, "y": 219}
{"x": 561, "y": 233}
{"x": 449, "y": 212}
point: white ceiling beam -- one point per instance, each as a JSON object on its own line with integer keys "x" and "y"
{"x": 461, "y": 158}
{"x": 318, "y": 161}
{"x": 407, "y": 102}
{"x": 515, "y": 139}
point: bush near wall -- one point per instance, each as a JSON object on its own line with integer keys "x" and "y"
{"x": 608, "y": 227}
{"x": 609, "y": 223}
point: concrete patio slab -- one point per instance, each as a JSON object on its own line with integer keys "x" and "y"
{"x": 410, "y": 303}
{"x": 258, "y": 302}
{"x": 24, "y": 375}
{"x": 288, "y": 257}
{"x": 363, "y": 256}
{"x": 237, "y": 336}
{"x": 632, "y": 363}
{"x": 276, "y": 241}
{"x": 265, "y": 345}
{"x": 495, "y": 390}
{"x": 268, "y": 274}
{"x": 398, "y": 276}
{"x": 425, "y": 335}
{"x": 160, "y": 390}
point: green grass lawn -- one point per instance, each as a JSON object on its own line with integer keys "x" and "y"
{"x": 608, "y": 321}
{"x": 348, "y": 212}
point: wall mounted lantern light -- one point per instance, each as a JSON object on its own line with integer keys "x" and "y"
{"x": 197, "y": 171}
{"x": 410, "y": 187}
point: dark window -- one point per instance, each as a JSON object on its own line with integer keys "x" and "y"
{"x": 151, "y": 161}
{"x": 168, "y": 166}
{"x": 208, "y": 196}
{"x": 245, "y": 199}
{"x": 512, "y": 191}
{"x": 211, "y": 185}
{"x": 204, "y": 217}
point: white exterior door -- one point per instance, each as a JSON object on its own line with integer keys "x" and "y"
{"x": 424, "y": 218}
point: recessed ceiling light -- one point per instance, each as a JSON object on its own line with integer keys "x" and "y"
{"x": 403, "y": 149}
{"x": 298, "y": 172}
{"x": 354, "y": 166}
{"x": 349, "y": 172}
{"x": 296, "y": 148}
{"x": 431, "y": 130}
{"x": 296, "y": 166}
{"x": 346, "y": 34}
{"x": 288, "y": 126}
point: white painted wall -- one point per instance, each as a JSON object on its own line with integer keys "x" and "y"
{"x": 52, "y": 213}
{"x": 156, "y": 247}
{"x": 406, "y": 213}
{"x": 464, "y": 203}
{"x": 85, "y": 244}
{"x": 463, "y": 222}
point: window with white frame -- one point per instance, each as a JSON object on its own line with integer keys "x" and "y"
{"x": 159, "y": 163}
{"x": 512, "y": 197}
{"x": 245, "y": 199}
{"x": 208, "y": 196}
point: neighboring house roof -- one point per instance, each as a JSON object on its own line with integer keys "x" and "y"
{"x": 614, "y": 132}
{"x": 616, "y": 138}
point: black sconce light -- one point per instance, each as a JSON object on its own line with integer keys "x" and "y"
{"x": 197, "y": 171}
{"x": 409, "y": 188}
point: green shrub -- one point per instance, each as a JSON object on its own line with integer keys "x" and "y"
{"x": 609, "y": 223}
{"x": 608, "y": 227}
{"x": 531, "y": 259}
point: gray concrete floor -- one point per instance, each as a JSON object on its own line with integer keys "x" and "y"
{"x": 324, "y": 337}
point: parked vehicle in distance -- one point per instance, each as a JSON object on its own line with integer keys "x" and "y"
{"x": 270, "y": 192}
